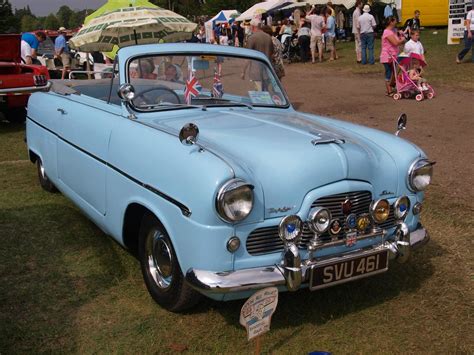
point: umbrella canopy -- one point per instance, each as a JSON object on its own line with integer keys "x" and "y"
{"x": 112, "y": 5}
{"x": 132, "y": 25}
{"x": 263, "y": 7}
{"x": 346, "y": 3}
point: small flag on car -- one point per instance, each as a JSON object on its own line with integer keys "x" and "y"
{"x": 217, "y": 87}
{"x": 193, "y": 88}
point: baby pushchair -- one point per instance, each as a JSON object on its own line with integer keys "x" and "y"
{"x": 291, "y": 49}
{"x": 406, "y": 87}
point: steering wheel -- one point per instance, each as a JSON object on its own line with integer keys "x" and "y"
{"x": 164, "y": 94}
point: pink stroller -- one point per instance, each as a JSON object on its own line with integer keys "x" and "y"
{"x": 406, "y": 87}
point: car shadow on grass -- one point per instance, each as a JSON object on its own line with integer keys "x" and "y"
{"x": 301, "y": 307}
{"x": 53, "y": 262}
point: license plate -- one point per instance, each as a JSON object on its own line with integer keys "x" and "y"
{"x": 349, "y": 269}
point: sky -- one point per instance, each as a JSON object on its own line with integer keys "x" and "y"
{"x": 45, "y": 7}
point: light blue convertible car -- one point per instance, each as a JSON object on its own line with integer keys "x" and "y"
{"x": 193, "y": 158}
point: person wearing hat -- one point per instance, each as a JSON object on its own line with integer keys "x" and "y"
{"x": 61, "y": 51}
{"x": 366, "y": 26}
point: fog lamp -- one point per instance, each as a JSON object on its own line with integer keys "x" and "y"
{"x": 401, "y": 207}
{"x": 379, "y": 210}
{"x": 233, "y": 244}
{"x": 417, "y": 208}
{"x": 290, "y": 229}
{"x": 319, "y": 219}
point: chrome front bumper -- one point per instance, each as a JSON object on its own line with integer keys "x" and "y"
{"x": 292, "y": 272}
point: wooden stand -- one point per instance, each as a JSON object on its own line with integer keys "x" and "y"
{"x": 258, "y": 345}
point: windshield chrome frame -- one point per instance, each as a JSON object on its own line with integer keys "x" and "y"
{"x": 190, "y": 54}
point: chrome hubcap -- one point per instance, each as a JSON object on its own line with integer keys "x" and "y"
{"x": 160, "y": 259}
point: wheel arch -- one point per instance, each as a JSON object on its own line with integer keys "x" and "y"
{"x": 132, "y": 220}
{"x": 33, "y": 156}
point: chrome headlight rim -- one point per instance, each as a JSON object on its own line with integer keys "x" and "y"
{"x": 231, "y": 185}
{"x": 400, "y": 215}
{"x": 373, "y": 209}
{"x": 314, "y": 215}
{"x": 282, "y": 227}
{"x": 414, "y": 167}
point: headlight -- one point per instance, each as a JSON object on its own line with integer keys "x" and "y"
{"x": 319, "y": 219}
{"x": 379, "y": 210}
{"x": 234, "y": 200}
{"x": 420, "y": 174}
{"x": 401, "y": 207}
{"x": 290, "y": 229}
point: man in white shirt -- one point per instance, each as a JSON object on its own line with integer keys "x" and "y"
{"x": 468, "y": 37}
{"x": 317, "y": 25}
{"x": 414, "y": 45}
{"x": 355, "y": 30}
{"x": 366, "y": 26}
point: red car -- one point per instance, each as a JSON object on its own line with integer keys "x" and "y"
{"x": 17, "y": 80}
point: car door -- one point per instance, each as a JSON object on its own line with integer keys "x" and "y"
{"x": 85, "y": 125}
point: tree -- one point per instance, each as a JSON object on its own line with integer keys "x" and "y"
{"x": 6, "y": 16}
{"x": 64, "y": 15}
{"x": 51, "y": 22}
{"x": 212, "y": 7}
{"x": 29, "y": 23}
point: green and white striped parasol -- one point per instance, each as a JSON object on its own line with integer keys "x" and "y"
{"x": 132, "y": 25}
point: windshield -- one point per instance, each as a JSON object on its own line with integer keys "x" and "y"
{"x": 164, "y": 82}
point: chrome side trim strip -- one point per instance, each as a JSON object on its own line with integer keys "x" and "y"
{"x": 184, "y": 209}
{"x": 25, "y": 90}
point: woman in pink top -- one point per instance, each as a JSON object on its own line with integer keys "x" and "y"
{"x": 391, "y": 40}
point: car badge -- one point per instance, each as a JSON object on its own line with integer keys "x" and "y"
{"x": 363, "y": 222}
{"x": 351, "y": 239}
{"x": 351, "y": 221}
{"x": 385, "y": 193}
{"x": 346, "y": 206}
{"x": 335, "y": 228}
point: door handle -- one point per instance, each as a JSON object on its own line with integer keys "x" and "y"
{"x": 63, "y": 111}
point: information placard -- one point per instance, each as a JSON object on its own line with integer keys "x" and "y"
{"x": 457, "y": 14}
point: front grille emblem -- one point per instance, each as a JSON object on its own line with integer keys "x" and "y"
{"x": 336, "y": 227}
{"x": 346, "y": 206}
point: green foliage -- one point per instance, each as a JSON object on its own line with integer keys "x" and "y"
{"x": 29, "y": 23}
{"x": 212, "y": 7}
{"x": 6, "y": 16}
{"x": 51, "y": 22}
{"x": 64, "y": 15}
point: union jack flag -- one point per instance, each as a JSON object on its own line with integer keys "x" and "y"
{"x": 193, "y": 88}
{"x": 217, "y": 87}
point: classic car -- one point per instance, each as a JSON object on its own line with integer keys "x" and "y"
{"x": 192, "y": 157}
{"x": 17, "y": 80}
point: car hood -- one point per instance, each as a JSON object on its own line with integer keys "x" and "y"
{"x": 290, "y": 154}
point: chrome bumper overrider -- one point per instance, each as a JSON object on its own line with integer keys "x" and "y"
{"x": 292, "y": 272}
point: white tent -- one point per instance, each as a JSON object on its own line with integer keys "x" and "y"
{"x": 295, "y": 5}
{"x": 263, "y": 7}
{"x": 221, "y": 17}
{"x": 346, "y": 3}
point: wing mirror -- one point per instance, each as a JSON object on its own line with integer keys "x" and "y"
{"x": 401, "y": 124}
{"x": 126, "y": 92}
{"x": 189, "y": 134}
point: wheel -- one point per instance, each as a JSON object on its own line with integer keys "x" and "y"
{"x": 397, "y": 96}
{"x": 160, "y": 268}
{"x": 419, "y": 97}
{"x": 44, "y": 181}
{"x": 430, "y": 95}
{"x": 16, "y": 115}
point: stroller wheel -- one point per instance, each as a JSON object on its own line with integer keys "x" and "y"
{"x": 419, "y": 97}
{"x": 397, "y": 96}
{"x": 430, "y": 95}
{"x": 406, "y": 95}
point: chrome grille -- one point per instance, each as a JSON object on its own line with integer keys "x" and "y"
{"x": 266, "y": 240}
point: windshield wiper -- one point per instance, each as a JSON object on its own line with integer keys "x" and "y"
{"x": 226, "y": 101}
{"x": 170, "y": 105}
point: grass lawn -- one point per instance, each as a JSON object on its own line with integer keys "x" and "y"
{"x": 441, "y": 58}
